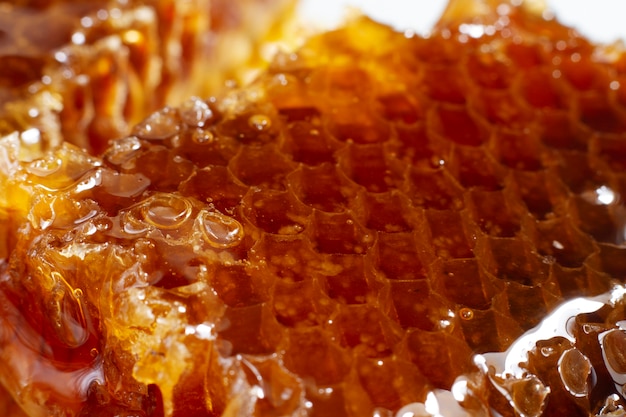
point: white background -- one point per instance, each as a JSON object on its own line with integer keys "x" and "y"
{"x": 601, "y": 20}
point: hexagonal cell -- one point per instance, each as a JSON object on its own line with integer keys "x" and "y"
{"x": 434, "y": 189}
{"x": 414, "y": 145}
{"x": 313, "y": 354}
{"x": 322, "y": 187}
{"x": 238, "y": 287}
{"x": 463, "y": 282}
{"x": 386, "y": 212}
{"x": 538, "y": 192}
{"x": 399, "y": 107}
{"x": 249, "y": 330}
{"x": 340, "y": 84}
{"x": 512, "y": 260}
{"x": 278, "y": 212}
{"x": 215, "y": 185}
{"x": 582, "y": 72}
{"x": 263, "y": 166}
{"x": 301, "y": 304}
{"x": 541, "y": 90}
{"x": 503, "y": 108}
{"x": 486, "y": 70}
{"x": 611, "y": 149}
{"x": 399, "y": 257}
{"x": 560, "y": 130}
{"x": 560, "y": 240}
{"x": 489, "y": 209}
{"x": 439, "y": 355}
{"x": 290, "y": 258}
{"x": 256, "y": 126}
{"x": 610, "y": 259}
{"x": 475, "y": 167}
{"x": 600, "y": 115}
{"x": 367, "y": 165}
{"x": 309, "y": 143}
{"x": 517, "y": 149}
{"x": 576, "y": 172}
{"x": 204, "y": 147}
{"x": 357, "y": 123}
{"x": 367, "y": 331}
{"x": 349, "y": 279}
{"x": 414, "y": 305}
{"x": 576, "y": 282}
{"x": 436, "y": 50}
{"x": 444, "y": 83}
{"x": 488, "y": 330}
{"x": 391, "y": 383}
{"x": 454, "y": 123}
{"x": 529, "y": 305}
{"x": 525, "y": 55}
{"x": 448, "y": 234}
{"x": 595, "y": 219}
{"x": 338, "y": 233}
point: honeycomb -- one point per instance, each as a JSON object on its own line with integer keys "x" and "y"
{"x": 381, "y": 224}
{"x": 86, "y": 71}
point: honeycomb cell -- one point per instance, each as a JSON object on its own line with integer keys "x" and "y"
{"x": 276, "y": 212}
{"x": 309, "y": 144}
{"x": 312, "y": 354}
{"x": 542, "y": 91}
{"x": 448, "y": 234}
{"x": 400, "y": 258}
{"x": 434, "y": 188}
{"x": 399, "y": 107}
{"x": 350, "y": 282}
{"x": 561, "y": 241}
{"x": 558, "y": 130}
{"x": 445, "y": 83}
{"x": 261, "y": 166}
{"x": 538, "y": 192}
{"x": 301, "y": 304}
{"x": 475, "y": 167}
{"x": 462, "y": 281}
{"x": 215, "y": 185}
{"x": 385, "y": 212}
{"x": 358, "y": 124}
{"x": 512, "y": 260}
{"x": 367, "y": 331}
{"x": 489, "y": 71}
{"x": 492, "y": 213}
{"x": 367, "y": 166}
{"x": 249, "y": 330}
{"x": 323, "y": 187}
{"x": 600, "y": 115}
{"x": 455, "y": 123}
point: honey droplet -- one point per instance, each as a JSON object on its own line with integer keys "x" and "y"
{"x": 162, "y": 124}
{"x": 195, "y": 112}
{"x": 45, "y": 166}
{"x": 202, "y": 136}
{"x": 614, "y": 350}
{"x": 575, "y": 368}
{"x": 166, "y": 211}
{"x": 219, "y": 230}
{"x": 123, "y": 151}
{"x": 466, "y": 314}
{"x": 260, "y": 122}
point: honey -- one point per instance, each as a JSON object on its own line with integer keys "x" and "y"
{"x": 380, "y": 224}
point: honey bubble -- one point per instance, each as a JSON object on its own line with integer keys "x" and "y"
{"x": 220, "y": 231}
{"x": 166, "y": 211}
{"x": 195, "y": 112}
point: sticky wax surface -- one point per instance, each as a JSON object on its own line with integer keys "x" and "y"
{"x": 354, "y": 233}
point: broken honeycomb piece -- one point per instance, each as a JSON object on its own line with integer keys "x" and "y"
{"x": 341, "y": 237}
{"x": 92, "y": 69}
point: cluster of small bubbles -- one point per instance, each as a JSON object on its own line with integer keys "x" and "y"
{"x": 195, "y": 112}
{"x": 159, "y": 125}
